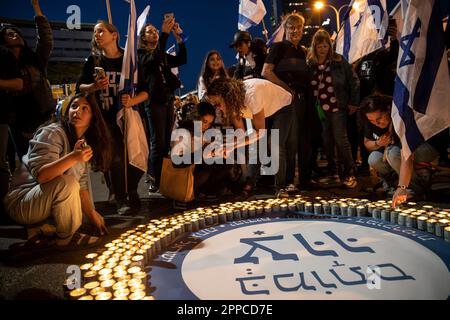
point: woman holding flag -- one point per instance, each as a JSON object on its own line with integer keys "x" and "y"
{"x": 101, "y": 75}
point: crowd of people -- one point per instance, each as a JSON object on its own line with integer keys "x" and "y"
{"x": 312, "y": 96}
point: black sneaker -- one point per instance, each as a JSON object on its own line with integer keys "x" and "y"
{"x": 122, "y": 207}
{"x": 179, "y": 205}
{"x": 134, "y": 200}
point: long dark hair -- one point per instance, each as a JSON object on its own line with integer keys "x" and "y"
{"x": 27, "y": 55}
{"x": 207, "y": 73}
{"x": 142, "y": 43}
{"x": 97, "y": 135}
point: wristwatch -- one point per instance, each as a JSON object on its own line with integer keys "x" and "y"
{"x": 401, "y": 187}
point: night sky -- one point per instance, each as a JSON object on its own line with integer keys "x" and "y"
{"x": 210, "y": 24}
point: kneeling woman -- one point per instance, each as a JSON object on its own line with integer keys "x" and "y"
{"x": 53, "y": 181}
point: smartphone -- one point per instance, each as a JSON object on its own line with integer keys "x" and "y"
{"x": 168, "y": 15}
{"x": 100, "y": 72}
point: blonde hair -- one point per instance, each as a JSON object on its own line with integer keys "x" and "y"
{"x": 294, "y": 18}
{"x": 321, "y": 36}
{"x": 233, "y": 93}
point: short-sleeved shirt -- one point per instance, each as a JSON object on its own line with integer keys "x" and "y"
{"x": 8, "y": 70}
{"x": 290, "y": 65}
{"x": 264, "y": 95}
{"x": 322, "y": 83}
{"x": 373, "y": 133}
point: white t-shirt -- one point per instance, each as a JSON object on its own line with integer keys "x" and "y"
{"x": 264, "y": 95}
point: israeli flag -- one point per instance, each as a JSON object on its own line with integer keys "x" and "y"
{"x": 364, "y": 29}
{"x": 421, "y": 104}
{"x": 277, "y": 36}
{"x": 251, "y": 12}
{"x": 142, "y": 20}
{"x": 129, "y": 119}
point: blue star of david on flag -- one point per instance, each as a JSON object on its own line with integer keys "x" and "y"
{"x": 406, "y": 43}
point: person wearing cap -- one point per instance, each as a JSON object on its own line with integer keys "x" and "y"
{"x": 286, "y": 66}
{"x": 251, "y": 55}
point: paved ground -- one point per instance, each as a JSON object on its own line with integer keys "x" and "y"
{"x": 40, "y": 276}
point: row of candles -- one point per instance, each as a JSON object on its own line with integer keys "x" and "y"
{"x": 117, "y": 272}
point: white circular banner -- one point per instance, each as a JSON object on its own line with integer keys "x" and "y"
{"x": 298, "y": 259}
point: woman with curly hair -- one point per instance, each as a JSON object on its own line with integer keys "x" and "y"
{"x": 269, "y": 107}
{"x": 53, "y": 180}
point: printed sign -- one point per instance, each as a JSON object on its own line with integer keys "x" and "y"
{"x": 266, "y": 258}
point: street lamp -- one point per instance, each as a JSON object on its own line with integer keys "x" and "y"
{"x": 319, "y": 5}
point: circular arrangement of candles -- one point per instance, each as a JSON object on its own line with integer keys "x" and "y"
{"x": 118, "y": 271}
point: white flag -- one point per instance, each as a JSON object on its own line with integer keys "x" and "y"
{"x": 134, "y": 132}
{"x": 421, "y": 105}
{"x": 251, "y": 13}
{"x": 364, "y": 29}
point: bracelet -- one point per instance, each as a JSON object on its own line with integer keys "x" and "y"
{"x": 401, "y": 187}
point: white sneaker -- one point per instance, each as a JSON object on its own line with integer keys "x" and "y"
{"x": 282, "y": 193}
{"x": 350, "y": 182}
{"x": 291, "y": 188}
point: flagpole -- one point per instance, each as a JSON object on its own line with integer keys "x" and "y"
{"x": 108, "y": 8}
{"x": 265, "y": 32}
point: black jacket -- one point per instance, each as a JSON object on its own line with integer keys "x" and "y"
{"x": 156, "y": 67}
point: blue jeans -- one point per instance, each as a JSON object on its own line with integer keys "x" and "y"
{"x": 282, "y": 120}
{"x": 335, "y": 135}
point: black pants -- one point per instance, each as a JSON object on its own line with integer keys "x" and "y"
{"x": 160, "y": 123}
{"x": 305, "y": 129}
{"x": 116, "y": 173}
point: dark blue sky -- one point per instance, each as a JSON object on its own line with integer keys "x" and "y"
{"x": 210, "y": 24}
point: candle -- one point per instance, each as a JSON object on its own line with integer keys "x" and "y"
{"x": 326, "y": 207}
{"x": 94, "y": 292}
{"x": 105, "y": 277}
{"x": 86, "y": 266}
{"x": 149, "y": 298}
{"x": 402, "y": 218}
{"x": 376, "y": 213}
{"x": 335, "y": 209}
{"x": 91, "y": 285}
{"x": 244, "y": 213}
{"x": 108, "y": 284}
{"x": 422, "y": 223}
{"x": 120, "y": 285}
{"x": 88, "y": 297}
{"x": 252, "y": 212}
{"x": 91, "y": 256}
{"x": 104, "y": 296}
{"x": 440, "y": 226}
{"x": 209, "y": 220}
{"x": 284, "y": 207}
{"x": 447, "y": 234}
{"x": 351, "y": 210}
{"x": 394, "y": 215}
{"x": 236, "y": 214}
{"x": 141, "y": 275}
{"x": 309, "y": 207}
{"x": 77, "y": 293}
{"x": 361, "y": 211}
{"x": 411, "y": 221}
{"x": 268, "y": 209}
{"x": 344, "y": 209}
{"x": 121, "y": 294}
{"x": 137, "y": 288}
{"x": 139, "y": 295}
{"x": 89, "y": 276}
{"x": 430, "y": 225}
